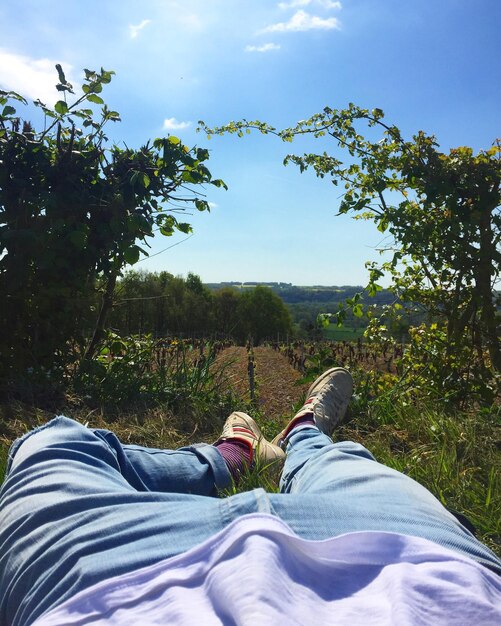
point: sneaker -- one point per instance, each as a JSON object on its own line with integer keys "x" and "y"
{"x": 242, "y": 428}
{"x": 327, "y": 400}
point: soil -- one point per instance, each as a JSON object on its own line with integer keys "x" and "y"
{"x": 278, "y": 387}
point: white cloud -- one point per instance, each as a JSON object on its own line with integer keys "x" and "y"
{"x": 330, "y": 4}
{"x": 302, "y": 21}
{"x": 213, "y": 205}
{"x": 264, "y": 48}
{"x": 135, "y": 29}
{"x": 173, "y": 124}
{"x": 32, "y": 78}
{"x": 293, "y": 4}
{"x": 327, "y": 4}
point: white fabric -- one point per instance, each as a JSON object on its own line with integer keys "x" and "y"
{"x": 256, "y": 572}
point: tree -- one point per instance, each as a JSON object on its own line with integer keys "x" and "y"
{"x": 262, "y": 315}
{"x": 199, "y": 310}
{"x": 442, "y": 212}
{"x": 226, "y": 310}
{"x": 74, "y": 209}
{"x": 140, "y": 303}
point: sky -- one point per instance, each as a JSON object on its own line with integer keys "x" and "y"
{"x": 432, "y": 65}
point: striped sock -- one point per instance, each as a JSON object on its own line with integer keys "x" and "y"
{"x": 305, "y": 420}
{"x": 237, "y": 457}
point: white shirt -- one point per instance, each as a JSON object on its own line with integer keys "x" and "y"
{"x": 257, "y": 572}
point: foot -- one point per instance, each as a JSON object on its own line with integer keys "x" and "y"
{"x": 241, "y": 428}
{"x": 326, "y": 403}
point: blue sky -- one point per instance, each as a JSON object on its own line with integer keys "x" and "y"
{"x": 433, "y": 65}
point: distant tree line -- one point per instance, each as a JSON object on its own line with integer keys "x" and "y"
{"x": 163, "y": 304}
{"x": 305, "y": 303}
{"x": 294, "y": 294}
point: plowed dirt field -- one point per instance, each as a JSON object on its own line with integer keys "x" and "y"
{"x": 277, "y": 387}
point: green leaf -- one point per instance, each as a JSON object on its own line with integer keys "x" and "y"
{"x": 131, "y": 255}
{"x": 13, "y": 95}
{"x": 323, "y": 320}
{"x": 202, "y": 205}
{"x": 167, "y": 224}
{"x": 191, "y": 176}
{"x": 219, "y": 183}
{"x": 8, "y": 110}
{"x": 106, "y": 76}
{"x": 140, "y": 178}
{"x": 373, "y": 288}
{"x": 61, "y": 107}
{"x": 118, "y": 346}
{"x": 358, "y": 310}
{"x": 138, "y": 222}
{"x": 94, "y": 98}
{"x": 114, "y": 116}
{"x": 174, "y": 140}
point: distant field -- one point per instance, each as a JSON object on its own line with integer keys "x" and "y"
{"x": 343, "y": 333}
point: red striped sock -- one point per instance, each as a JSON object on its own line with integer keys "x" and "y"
{"x": 304, "y": 420}
{"x": 236, "y": 455}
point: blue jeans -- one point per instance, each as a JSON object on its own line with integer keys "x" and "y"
{"x": 77, "y": 507}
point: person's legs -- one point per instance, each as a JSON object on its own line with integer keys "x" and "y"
{"x": 199, "y": 469}
{"x": 77, "y": 507}
{"x": 329, "y": 489}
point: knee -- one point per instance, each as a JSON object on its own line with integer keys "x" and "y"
{"x": 56, "y": 432}
{"x": 353, "y": 449}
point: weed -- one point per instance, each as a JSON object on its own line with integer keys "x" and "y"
{"x": 453, "y": 454}
{"x": 261, "y": 475}
{"x": 4, "y": 450}
{"x": 145, "y": 373}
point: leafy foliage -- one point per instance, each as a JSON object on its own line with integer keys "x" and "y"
{"x": 163, "y": 304}
{"x": 144, "y": 372}
{"x": 262, "y": 315}
{"x": 441, "y": 213}
{"x": 74, "y": 208}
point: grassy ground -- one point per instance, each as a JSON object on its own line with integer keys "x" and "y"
{"x": 3, "y": 458}
{"x": 343, "y": 333}
{"x": 456, "y": 455}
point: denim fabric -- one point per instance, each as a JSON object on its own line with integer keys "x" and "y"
{"x": 78, "y": 507}
{"x": 337, "y": 488}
